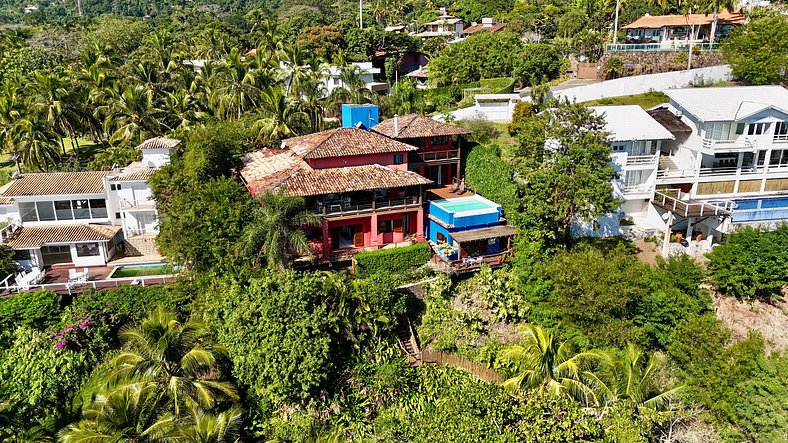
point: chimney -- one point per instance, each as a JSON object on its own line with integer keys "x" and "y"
{"x": 396, "y": 125}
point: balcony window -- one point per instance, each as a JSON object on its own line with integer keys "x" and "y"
{"x": 22, "y": 254}
{"x": 718, "y": 131}
{"x": 398, "y": 159}
{"x": 46, "y": 211}
{"x": 440, "y": 140}
{"x": 387, "y": 226}
{"x": 634, "y": 178}
{"x": 619, "y": 148}
{"x": 63, "y": 210}
{"x": 779, "y": 157}
{"x": 81, "y": 209}
{"x": 98, "y": 208}
{"x": 757, "y": 128}
{"x": 27, "y": 211}
{"x": 781, "y": 131}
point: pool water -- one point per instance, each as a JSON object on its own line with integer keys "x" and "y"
{"x": 465, "y": 204}
{"x": 144, "y": 270}
{"x": 760, "y": 209}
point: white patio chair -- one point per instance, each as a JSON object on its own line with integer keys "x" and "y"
{"x": 85, "y": 274}
{"x": 72, "y": 275}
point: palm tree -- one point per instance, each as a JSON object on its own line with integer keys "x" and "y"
{"x": 127, "y": 414}
{"x": 547, "y": 365}
{"x": 277, "y": 230}
{"x": 314, "y": 94}
{"x": 354, "y": 88}
{"x": 240, "y": 90}
{"x": 295, "y": 60}
{"x": 281, "y": 117}
{"x": 131, "y": 116}
{"x": 180, "y": 359}
{"x": 35, "y": 142}
{"x": 202, "y": 427}
{"x": 715, "y": 6}
{"x": 631, "y": 379}
{"x": 49, "y": 96}
{"x": 11, "y": 108}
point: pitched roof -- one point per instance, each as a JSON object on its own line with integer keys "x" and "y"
{"x": 482, "y": 27}
{"x": 57, "y": 183}
{"x": 631, "y": 122}
{"x": 342, "y": 142}
{"x": 725, "y": 17}
{"x": 669, "y": 120}
{"x": 483, "y": 233}
{"x": 266, "y": 169}
{"x": 136, "y": 171}
{"x": 730, "y": 103}
{"x": 414, "y": 126}
{"x": 159, "y": 143}
{"x": 36, "y": 236}
{"x": 350, "y": 179}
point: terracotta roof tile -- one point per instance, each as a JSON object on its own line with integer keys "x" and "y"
{"x": 480, "y": 27}
{"x": 349, "y": 179}
{"x": 342, "y": 142}
{"x": 265, "y": 169}
{"x": 415, "y": 126}
{"x": 36, "y": 236}
{"x": 725, "y": 17}
{"x": 6, "y": 201}
{"x": 134, "y": 172}
{"x": 159, "y": 143}
{"x": 57, "y": 183}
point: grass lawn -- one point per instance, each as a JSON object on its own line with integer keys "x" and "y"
{"x": 645, "y": 101}
{"x": 143, "y": 271}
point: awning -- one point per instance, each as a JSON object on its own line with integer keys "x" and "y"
{"x": 483, "y": 233}
{"x": 36, "y": 236}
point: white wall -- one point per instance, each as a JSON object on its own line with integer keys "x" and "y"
{"x": 155, "y": 158}
{"x": 644, "y": 83}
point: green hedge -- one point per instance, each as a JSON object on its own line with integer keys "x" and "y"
{"x": 393, "y": 260}
{"x": 491, "y": 176}
{"x": 500, "y": 85}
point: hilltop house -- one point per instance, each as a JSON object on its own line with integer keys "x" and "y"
{"x": 667, "y": 30}
{"x": 487, "y": 24}
{"x": 444, "y": 26}
{"x": 437, "y": 157}
{"x": 356, "y": 180}
{"x": 80, "y": 218}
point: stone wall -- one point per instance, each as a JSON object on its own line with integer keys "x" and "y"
{"x": 653, "y": 62}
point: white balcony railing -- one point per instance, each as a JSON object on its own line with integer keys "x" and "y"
{"x": 721, "y": 172}
{"x": 645, "y": 188}
{"x": 137, "y": 204}
{"x": 633, "y": 160}
{"x": 742, "y": 142}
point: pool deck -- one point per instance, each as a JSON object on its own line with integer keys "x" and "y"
{"x": 120, "y": 261}
{"x": 443, "y": 193}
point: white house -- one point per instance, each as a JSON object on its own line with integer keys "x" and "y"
{"x": 444, "y": 26}
{"x": 636, "y": 139}
{"x": 81, "y": 218}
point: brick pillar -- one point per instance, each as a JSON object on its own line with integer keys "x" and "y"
{"x": 373, "y": 226}
{"x": 326, "y": 240}
{"x": 420, "y": 225}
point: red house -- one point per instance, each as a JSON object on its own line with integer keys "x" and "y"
{"x": 358, "y": 181}
{"x": 436, "y": 158}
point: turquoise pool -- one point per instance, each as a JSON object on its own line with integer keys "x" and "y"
{"x": 466, "y": 204}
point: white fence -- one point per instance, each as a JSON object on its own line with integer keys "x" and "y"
{"x": 644, "y": 83}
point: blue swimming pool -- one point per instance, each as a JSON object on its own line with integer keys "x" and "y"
{"x": 465, "y": 204}
{"x": 760, "y": 209}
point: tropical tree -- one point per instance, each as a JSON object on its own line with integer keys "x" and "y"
{"x": 128, "y": 413}
{"x": 239, "y": 91}
{"x": 630, "y": 378}
{"x": 202, "y": 427}
{"x": 715, "y": 6}
{"x": 36, "y": 143}
{"x": 354, "y": 88}
{"x": 281, "y": 116}
{"x": 179, "y": 359}
{"x": 276, "y": 231}
{"x": 131, "y": 115}
{"x": 48, "y": 95}
{"x": 548, "y": 365}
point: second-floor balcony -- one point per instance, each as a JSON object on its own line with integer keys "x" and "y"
{"x": 448, "y": 155}
{"x": 637, "y": 160}
{"x": 346, "y": 205}
{"x": 722, "y": 171}
{"x": 138, "y": 205}
{"x": 722, "y": 145}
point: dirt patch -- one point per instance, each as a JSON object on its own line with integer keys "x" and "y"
{"x": 647, "y": 251}
{"x": 770, "y": 319}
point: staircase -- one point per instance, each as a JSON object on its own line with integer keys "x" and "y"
{"x": 407, "y": 342}
{"x": 665, "y": 162}
{"x": 140, "y": 245}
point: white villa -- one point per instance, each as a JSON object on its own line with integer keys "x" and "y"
{"x": 725, "y": 164}
{"x": 82, "y": 218}
{"x": 444, "y": 26}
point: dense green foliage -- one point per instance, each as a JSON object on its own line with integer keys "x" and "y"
{"x": 489, "y": 175}
{"x": 391, "y": 261}
{"x": 751, "y": 263}
{"x": 758, "y": 51}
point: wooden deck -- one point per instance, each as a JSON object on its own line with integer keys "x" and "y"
{"x": 443, "y": 193}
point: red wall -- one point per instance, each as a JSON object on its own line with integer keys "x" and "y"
{"x": 426, "y": 144}
{"x": 360, "y": 160}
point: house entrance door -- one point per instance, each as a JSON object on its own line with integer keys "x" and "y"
{"x": 53, "y": 255}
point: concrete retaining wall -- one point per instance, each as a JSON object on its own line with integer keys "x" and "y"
{"x": 645, "y": 83}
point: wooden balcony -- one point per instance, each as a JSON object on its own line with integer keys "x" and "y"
{"x": 434, "y": 157}
{"x": 347, "y": 206}
{"x": 469, "y": 264}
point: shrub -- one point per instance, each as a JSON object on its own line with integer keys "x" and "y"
{"x": 751, "y": 263}
{"x": 34, "y": 309}
{"x": 391, "y": 261}
{"x": 500, "y": 85}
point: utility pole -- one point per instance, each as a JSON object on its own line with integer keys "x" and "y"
{"x": 615, "y": 23}
{"x": 360, "y": 16}
{"x": 79, "y": 7}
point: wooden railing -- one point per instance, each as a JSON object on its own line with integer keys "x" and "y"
{"x": 469, "y": 263}
{"x": 431, "y": 156}
{"x": 670, "y": 199}
{"x": 441, "y": 358}
{"x": 339, "y": 207}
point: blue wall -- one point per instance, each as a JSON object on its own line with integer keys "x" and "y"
{"x": 367, "y": 115}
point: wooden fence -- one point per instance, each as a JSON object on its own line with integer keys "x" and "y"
{"x": 440, "y": 358}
